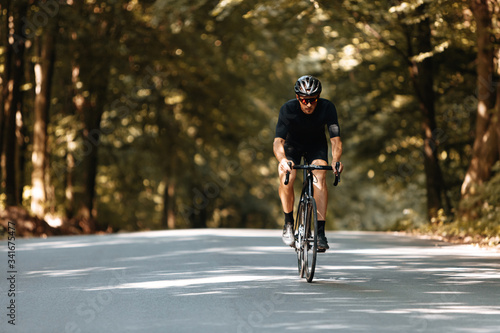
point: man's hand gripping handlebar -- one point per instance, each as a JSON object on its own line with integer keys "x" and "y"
{"x": 337, "y": 174}
{"x": 287, "y": 177}
{"x": 316, "y": 167}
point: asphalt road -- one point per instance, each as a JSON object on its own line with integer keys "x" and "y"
{"x": 246, "y": 281}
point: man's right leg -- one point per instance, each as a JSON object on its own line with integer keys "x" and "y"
{"x": 321, "y": 197}
{"x": 287, "y": 197}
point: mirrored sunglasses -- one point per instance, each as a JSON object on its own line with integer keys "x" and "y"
{"x": 306, "y": 101}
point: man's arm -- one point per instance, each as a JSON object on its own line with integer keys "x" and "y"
{"x": 336, "y": 151}
{"x": 279, "y": 153}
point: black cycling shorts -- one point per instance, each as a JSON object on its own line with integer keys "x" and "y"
{"x": 295, "y": 152}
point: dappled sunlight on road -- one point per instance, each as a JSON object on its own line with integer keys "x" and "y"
{"x": 71, "y": 272}
{"x": 427, "y": 285}
{"x": 146, "y": 237}
{"x": 439, "y": 309}
{"x": 233, "y": 278}
{"x": 202, "y": 232}
{"x": 365, "y": 279}
{"x": 249, "y": 250}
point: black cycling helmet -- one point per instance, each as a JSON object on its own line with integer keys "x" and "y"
{"x": 307, "y": 85}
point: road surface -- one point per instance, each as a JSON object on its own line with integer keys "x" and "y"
{"x": 220, "y": 280}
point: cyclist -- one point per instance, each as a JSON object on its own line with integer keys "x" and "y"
{"x": 300, "y": 132}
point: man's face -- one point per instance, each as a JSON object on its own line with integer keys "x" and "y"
{"x": 308, "y": 103}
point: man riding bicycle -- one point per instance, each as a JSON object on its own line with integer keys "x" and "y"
{"x": 300, "y": 132}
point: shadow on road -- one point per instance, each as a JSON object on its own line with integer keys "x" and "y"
{"x": 247, "y": 281}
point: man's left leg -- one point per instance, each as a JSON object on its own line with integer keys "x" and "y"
{"x": 321, "y": 197}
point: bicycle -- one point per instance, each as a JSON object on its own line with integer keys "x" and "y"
{"x": 306, "y": 223}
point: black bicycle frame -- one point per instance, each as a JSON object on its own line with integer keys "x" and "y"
{"x": 306, "y": 223}
{"x": 307, "y": 187}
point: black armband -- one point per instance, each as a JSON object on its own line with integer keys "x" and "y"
{"x": 334, "y": 130}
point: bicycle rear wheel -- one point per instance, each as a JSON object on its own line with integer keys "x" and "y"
{"x": 310, "y": 249}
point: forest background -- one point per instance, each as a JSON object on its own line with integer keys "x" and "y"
{"x": 133, "y": 115}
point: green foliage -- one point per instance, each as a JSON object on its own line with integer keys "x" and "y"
{"x": 481, "y": 226}
{"x": 193, "y": 93}
{"x": 484, "y": 206}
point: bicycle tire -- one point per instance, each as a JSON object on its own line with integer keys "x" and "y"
{"x": 299, "y": 235}
{"x": 310, "y": 250}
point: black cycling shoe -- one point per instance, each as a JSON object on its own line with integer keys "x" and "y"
{"x": 287, "y": 236}
{"x": 322, "y": 243}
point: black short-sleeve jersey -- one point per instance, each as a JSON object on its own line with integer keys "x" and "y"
{"x": 297, "y": 127}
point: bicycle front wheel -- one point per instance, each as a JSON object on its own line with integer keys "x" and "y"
{"x": 310, "y": 249}
{"x": 300, "y": 235}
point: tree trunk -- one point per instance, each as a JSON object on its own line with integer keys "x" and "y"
{"x": 4, "y": 78}
{"x": 199, "y": 220}
{"x": 169, "y": 209}
{"x": 421, "y": 72}
{"x": 12, "y": 102}
{"x": 91, "y": 138}
{"x": 168, "y": 218}
{"x": 90, "y": 77}
{"x": 71, "y": 106}
{"x": 21, "y": 149}
{"x": 43, "y": 79}
{"x": 485, "y": 151}
{"x": 69, "y": 195}
{"x": 496, "y": 119}
{"x": 91, "y": 109}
